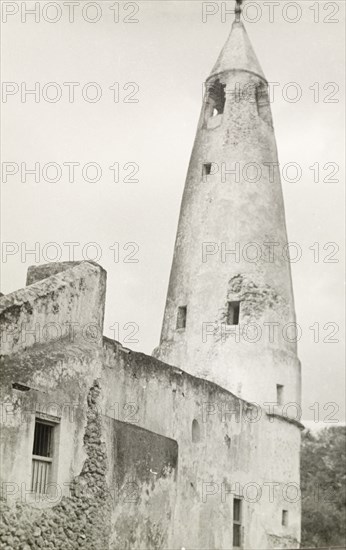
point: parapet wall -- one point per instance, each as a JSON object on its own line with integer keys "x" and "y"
{"x": 64, "y": 301}
{"x": 36, "y": 273}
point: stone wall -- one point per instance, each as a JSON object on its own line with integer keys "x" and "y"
{"x": 81, "y": 520}
{"x": 146, "y": 455}
{"x": 69, "y": 303}
{"x": 105, "y": 494}
{"x": 241, "y": 450}
{"x": 97, "y": 460}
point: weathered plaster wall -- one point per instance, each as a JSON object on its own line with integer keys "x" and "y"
{"x": 238, "y": 206}
{"x": 69, "y": 303}
{"x": 54, "y": 382}
{"x": 232, "y": 453}
{"x": 130, "y": 469}
{"x": 103, "y": 493}
{"x": 79, "y": 520}
{"x": 142, "y": 474}
{"x": 94, "y": 456}
{"x": 36, "y": 273}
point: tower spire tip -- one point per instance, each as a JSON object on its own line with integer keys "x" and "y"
{"x": 238, "y": 10}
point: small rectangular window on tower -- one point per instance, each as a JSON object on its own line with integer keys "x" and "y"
{"x": 279, "y": 394}
{"x": 206, "y": 169}
{"x": 233, "y": 310}
{"x": 181, "y": 317}
{"x": 237, "y": 522}
{"x": 284, "y": 519}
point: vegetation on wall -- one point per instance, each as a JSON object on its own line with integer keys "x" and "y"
{"x": 323, "y": 484}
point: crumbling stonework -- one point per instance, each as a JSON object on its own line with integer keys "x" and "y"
{"x": 148, "y": 456}
{"x": 81, "y": 520}
{"x": 255, "y": 298}
{"x": 283, "y": 542}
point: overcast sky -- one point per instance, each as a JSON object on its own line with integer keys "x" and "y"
{"x": 168, "y": 54}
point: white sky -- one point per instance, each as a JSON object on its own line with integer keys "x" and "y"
{"x": 169, "y": 53}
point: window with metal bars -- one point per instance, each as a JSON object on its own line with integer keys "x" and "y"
{"x": 42, "y": 439}
{"x": 237, "y": 522}
{"x": 42, "y": 456}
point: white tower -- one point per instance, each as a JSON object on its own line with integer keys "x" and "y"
{"x": 229, "y": 315}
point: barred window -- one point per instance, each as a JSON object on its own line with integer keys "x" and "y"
{"x": 42, "y": 456}
{"x": 237, "y": 522}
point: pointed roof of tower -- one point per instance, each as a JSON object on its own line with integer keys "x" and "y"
{"x": 238, "y": 53}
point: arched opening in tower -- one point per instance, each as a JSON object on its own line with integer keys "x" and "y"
{"x": 216, "y": 99}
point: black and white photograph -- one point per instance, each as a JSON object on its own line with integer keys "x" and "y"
{"x": 172, "y": 315}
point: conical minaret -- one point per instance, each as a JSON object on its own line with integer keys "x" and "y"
{"x": 229, "y": 315}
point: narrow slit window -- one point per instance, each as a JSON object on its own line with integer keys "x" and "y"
{"x": 233, "y": 311}
{"x": 181, "y": 317}
{"x": 279, "y": 394}
{"x": 196, "y": 431}
{"x": 237, "y": 522}
{"x": 206, "y": 169}
{"x": 284, "y": 519}
{"x": 42, "y": 457}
